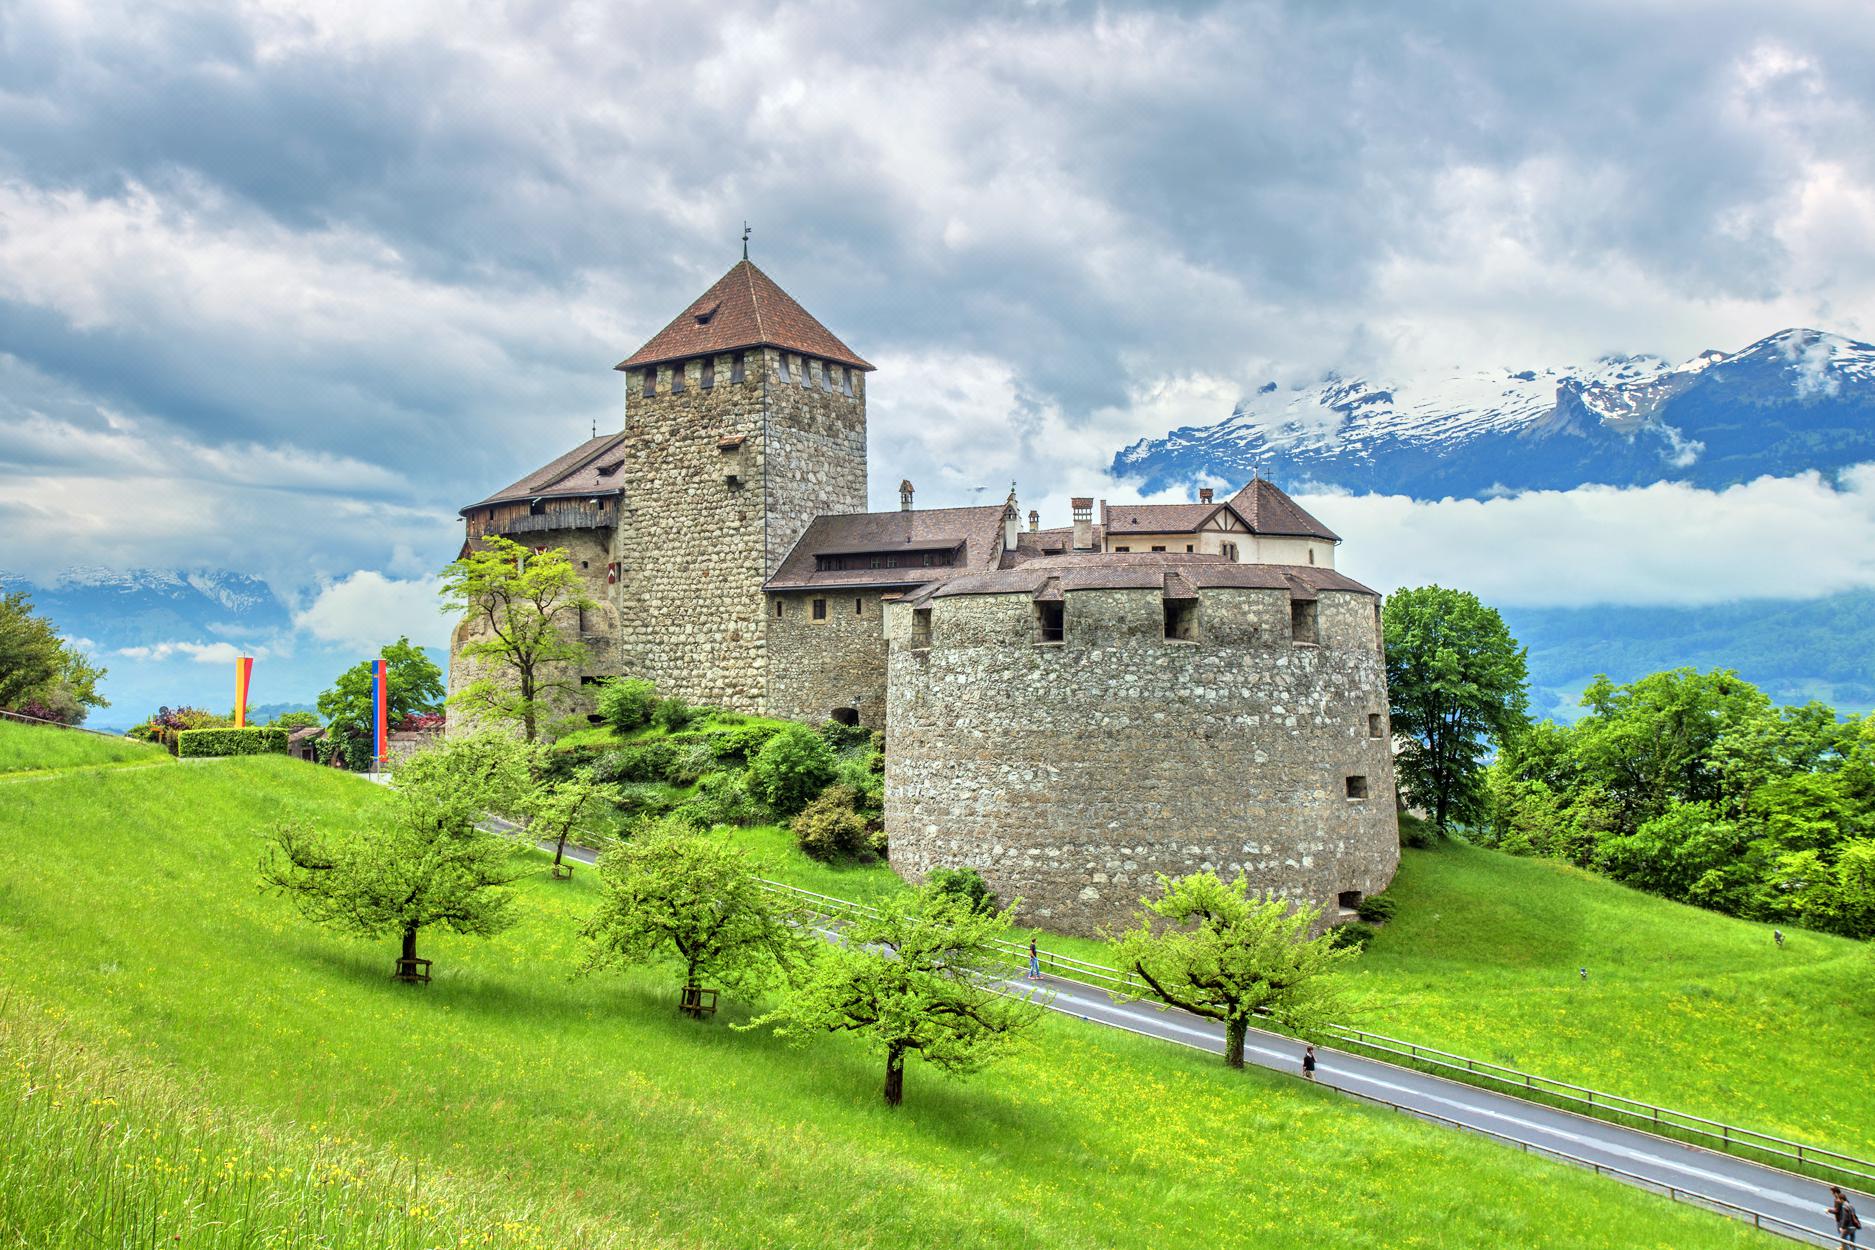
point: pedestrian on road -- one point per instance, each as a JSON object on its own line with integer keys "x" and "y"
{"x": 1035, "y": 962}
{"x": 1847, "y": 1222}
{"x": 1308, "y": 1063}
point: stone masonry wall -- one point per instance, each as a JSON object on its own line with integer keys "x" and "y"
{"x": 695, "y": 549}
{"x": 1069, "y": 773}
{"x": 816, "y": 666}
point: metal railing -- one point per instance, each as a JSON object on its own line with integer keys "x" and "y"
{"x": 56, "y": 724}
{"x": 1728, "y": 1139}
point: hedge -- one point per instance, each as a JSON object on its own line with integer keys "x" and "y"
{"x": 200, "y": 743}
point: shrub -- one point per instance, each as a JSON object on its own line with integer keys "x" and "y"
{"x": 689, "y": 761}
{"x": 831, "y": 827}
{"x": 845, "y": 737}
{"x": 640, "y": 761}
{"x": 721, "y": 799}
{"x": 864, "y": 772}
{"x": 740, "y": 744}
{"x": 672, "y": 715}
{"x": 645, "y": 800}
{"x": 964, "y": 883}
{"x": 625, "y": 703}
{"x": 169, "y": 723}
{"x": 792, "y": 767}
{"x": 1354, "y": 934}
{"x": 200, "y": 743}
{"x": 1417, "y": 833}
{"x": 1377, "y": 908}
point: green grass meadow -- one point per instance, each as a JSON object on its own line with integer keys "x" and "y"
{"x": 27, "y": 748}
{"x": 510, "y": 1104}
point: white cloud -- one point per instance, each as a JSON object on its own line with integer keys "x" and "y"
{"x": 200, "y": 652}
{"x": 367, "y": 610}
{"x": 1793, "y": 537}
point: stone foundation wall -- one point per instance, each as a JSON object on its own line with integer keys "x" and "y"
{"x": 816, "y": 666}
{"x": 1070, "y": 773}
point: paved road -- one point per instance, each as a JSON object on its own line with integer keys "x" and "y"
{"x": 1657, "y": 1161}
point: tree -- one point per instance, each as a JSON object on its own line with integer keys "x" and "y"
{"x": 671, "y": 892}
{"x": 422, "y": 860}
{"x": 41, "y": 671}
{"x": 792, "y": 766}
{"x": 414, "y": 685}
{"x": 626, "y": 703}
{"x": 515, "y": 598}
{"x": 555, "y": 811}
{"x": 921, "y": 974}
{"x": 1457, "y": 681}
{"x": 1216, "y": 951}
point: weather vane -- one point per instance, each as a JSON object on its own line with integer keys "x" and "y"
{"x": 745, "y": 240}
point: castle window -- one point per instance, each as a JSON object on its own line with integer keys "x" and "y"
{"x": 1357, "y": 787}
{"x": 820, "y": 609}
{"x": 1374, "y": 727}
{"x": 859, "y": 606}
{"x": 1189, "y": 548}
{"x": 735, "y": 367}
{"x": 846, "y": 381}
{"x": 1311, "y": 555}
{"x": 921, "y": 627}
{"x": 1349, "y": 900}
{"x": 807, "y": 372}
{"x": 876, "y": 562}
{"x": 1122, "y": 548}
{"x": 594, "y": 681}
{"x": 826, "y": 376}
{"x": 677, "y": 378}
{"x": 1161, "y": 548}
{"x": 891, "y": 562}
{"x": 778, "y": 607}
{"x": 651, "y": 381}
{"x": 1181, "y": 620}
{"x": 709, "y": 373}
{"x": 1303, "y": 624}
{"x": 1230, "y": 552}
{"x": 1051, "y": 621}
{"x": 782, "y": 359}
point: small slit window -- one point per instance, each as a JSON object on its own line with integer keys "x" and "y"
{"x": 820, "y": 609}
{"x": 651, "y": 382}
{"x": 778, "y": 607}
{"x": 859, "y": 606}
{"x": 677, "y": 378}
{"x": 736, "y": 367}
{"x": 1357, "y": 787}
{"x": 782, "y": 359}
{"x": 921, "y": 627}
{"x": 1181, "y": 620}
{"x": 826, "y": 376}
{"x": 708, "y": 378}
{"x": 1375, "y": 729}
{"x": 846, "y": 380}
{"x": 1303, "y": 625}
{"x": 1051, "y": 621}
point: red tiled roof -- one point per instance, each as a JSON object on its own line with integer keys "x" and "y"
{"x": 1268, "y": 510}
{"x": 1158, "y": 518}
{"x": 744, "y": 309}
{"x": 976, "y": 530}
{"x": 590, "y": 469}
{"x": 1177, "y": 572}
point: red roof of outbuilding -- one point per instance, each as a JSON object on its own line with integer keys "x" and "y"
{"x": 744, "y": 309}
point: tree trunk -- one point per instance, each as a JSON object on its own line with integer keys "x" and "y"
{"x": 527, "y": 704}
{"x": 690, "y": 1003}
{"x": 406, "y": 964}
{"x": 894, "y": 1076}
{"x": 1234, "y": 1031}
{"x": 559, "y": 850}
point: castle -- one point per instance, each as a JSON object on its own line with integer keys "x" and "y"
{"x": 1155, "y": 687}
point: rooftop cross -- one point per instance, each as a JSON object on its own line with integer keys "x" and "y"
{"x": 745, "y": 240}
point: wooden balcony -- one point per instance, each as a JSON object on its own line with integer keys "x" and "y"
{"x": 553, "y": 517}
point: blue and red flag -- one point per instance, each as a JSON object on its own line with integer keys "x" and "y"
{"x": 381, "y": 703}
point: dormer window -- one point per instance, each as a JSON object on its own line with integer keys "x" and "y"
{"x": 704, "y": 316}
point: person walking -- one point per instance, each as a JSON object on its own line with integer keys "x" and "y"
{"x": 1847, "y": 1222}
{"x": 1777, "y": 935}
{"x": 1308, "y": 1063}
{"x": 1035, "y": 962}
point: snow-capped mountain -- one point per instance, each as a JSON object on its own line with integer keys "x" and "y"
{"x": 117, "y": 608}
{"x": 1799, "y": 399}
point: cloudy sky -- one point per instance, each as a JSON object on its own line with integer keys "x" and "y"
{"x": 283, "y": 285}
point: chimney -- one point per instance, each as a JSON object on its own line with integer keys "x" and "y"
{"x": 904, "y": 495}
{"x": 1035, "y": 520}
{"x": 1083, "y": 524}
{"x": 1204, "y": 494}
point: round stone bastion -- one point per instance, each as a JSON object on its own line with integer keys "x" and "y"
{"x": 1071, "y": 727}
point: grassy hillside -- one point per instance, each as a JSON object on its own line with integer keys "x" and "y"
{"x": 142, "y": 934}
{"x": 24, "y": 748}
{"x": 1697, "y": 1011}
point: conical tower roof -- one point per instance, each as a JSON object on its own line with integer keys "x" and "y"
{"x": 744, "y": 309}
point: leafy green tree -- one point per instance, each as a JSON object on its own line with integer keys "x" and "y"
{"x": 1215, "y": 950}
{"x": 668, "y": 892}
{"x": 41, "y": 671}
{"x": 792, "y": 766}
{"x": 414, "y": 685}
{"x": 626, "y": 703}
{"x": 1459, "y": 685}
{"x": 517, "y": 601}
{"x": 296, "y": 720}
{"x": 1652, "y": 742}
{"x": 921, "y": 976}
{"x": 422, "y": 860}
{"x": 1837, "y": 896}
{"x": 556, "y": 811}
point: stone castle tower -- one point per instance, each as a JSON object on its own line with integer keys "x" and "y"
{"x": 745, "y": 418}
